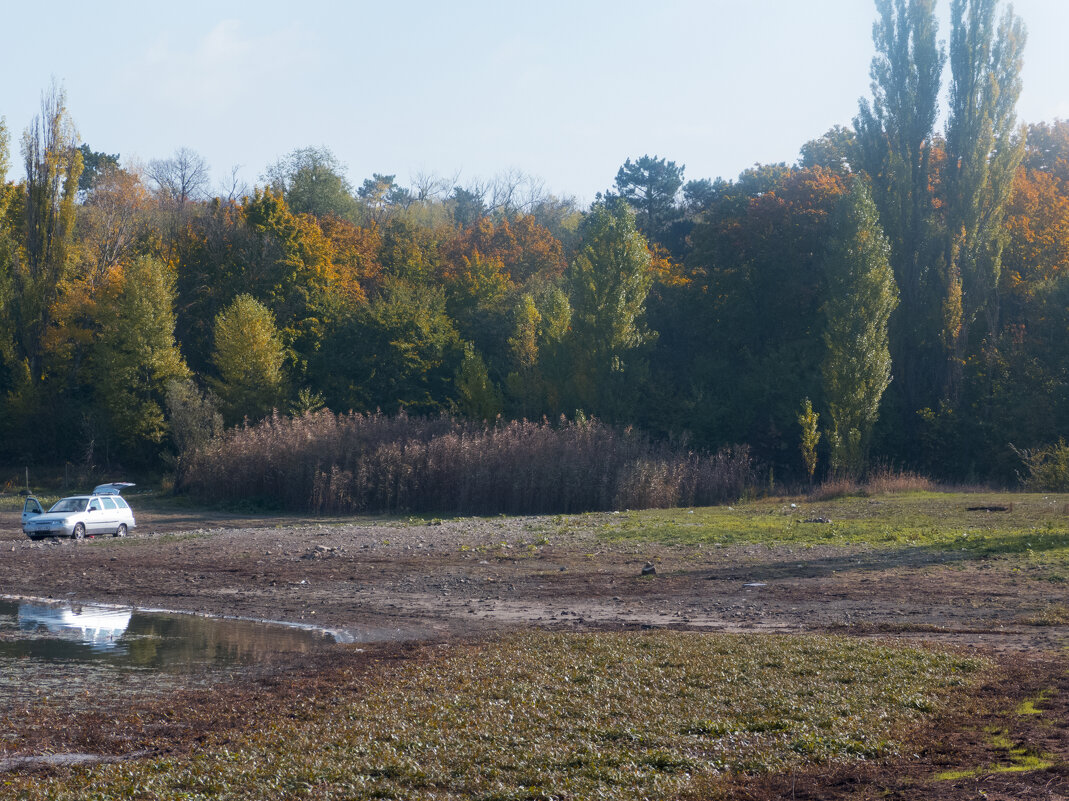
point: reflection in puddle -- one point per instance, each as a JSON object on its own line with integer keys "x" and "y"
{"x": 99, "y": 627}
{"x": 135, "y": 639}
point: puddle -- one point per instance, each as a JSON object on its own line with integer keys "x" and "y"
{"x": 107, "y": 636}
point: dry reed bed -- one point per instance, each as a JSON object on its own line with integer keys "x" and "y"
{"x": 372, "y": 463}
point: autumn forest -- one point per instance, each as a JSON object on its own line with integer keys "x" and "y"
{"x": 898, "y": 297}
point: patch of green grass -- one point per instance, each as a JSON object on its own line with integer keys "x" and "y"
{"x": 1019, "y": 759}
{"x": 15, "y": 502}
{"x": 543, "y": 715}
{"x": 1028, "y": 706}
{"x": 1035, "y": 525}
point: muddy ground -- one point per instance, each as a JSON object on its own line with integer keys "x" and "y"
{"x": 398, "y": 579}
{"x": 389, "y": 582}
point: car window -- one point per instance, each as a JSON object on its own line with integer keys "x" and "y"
{"x": 108, "y": 503}
{"x": 69, "y": 505}
{"x": 121, "y": 504}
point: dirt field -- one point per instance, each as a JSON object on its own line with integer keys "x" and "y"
{"x": 403, "y": 580}
{"x": 389, "y": 582}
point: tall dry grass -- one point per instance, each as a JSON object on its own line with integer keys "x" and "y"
{"x": 371, "y": 463}
{"x": 880, "y": 480}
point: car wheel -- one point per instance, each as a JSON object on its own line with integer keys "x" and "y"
{"x": 121, "y": 531}
{"x": 79, "y": 532}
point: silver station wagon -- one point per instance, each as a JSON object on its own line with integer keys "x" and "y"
{"x": 103, "y": 511}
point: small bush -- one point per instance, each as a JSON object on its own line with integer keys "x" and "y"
{"x": 357, "y": 463}
{"x": 1047, "y": 468}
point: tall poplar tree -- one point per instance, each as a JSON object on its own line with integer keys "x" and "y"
{"x": 894, "y": 139}
{"x": 861, "y": 296}
{"x": 984, "y": 149}
{"x": 53, "y": 165}
{"x": 7, "y": 261}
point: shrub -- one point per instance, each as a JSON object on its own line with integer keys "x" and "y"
{"x": 1048, "y": 467}
{"x": 371, "y": 463}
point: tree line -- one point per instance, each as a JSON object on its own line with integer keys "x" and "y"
{"x": 897, "y": 295}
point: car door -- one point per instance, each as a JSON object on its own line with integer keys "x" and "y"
{"x": 109, "y": 516}
{"x": 31, "y": 508}
{"x": 95, "y": 520}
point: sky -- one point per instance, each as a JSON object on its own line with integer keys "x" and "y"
{"x": 562, "y": 90}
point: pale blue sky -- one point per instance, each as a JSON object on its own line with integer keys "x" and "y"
{"x": 562, "y": 90}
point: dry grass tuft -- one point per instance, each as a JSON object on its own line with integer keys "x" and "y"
{"x": 881, "y": 480}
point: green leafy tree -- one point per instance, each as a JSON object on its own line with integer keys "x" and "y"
{"x": 984, "y": 149}
{"x": 740, "y": 341}
{"x": 541, "y": 321}
{"x": 835, "y": 151}
{"x": 1047, "y": 148}
{"x": 861, "y": 296}
{"x": 261, "y": 248}
{"x": 808, "y": 421}
{"x": 135, "y": 357}
{"x": 895, "y": 147}
{"x": 399, "y": 351}
{"x": 8, "y": 238}
{"x": 699, "y": 195}
{"x": 477, "y": 397}
{"x": 193, "y": 418}
{"x": 522, "y": 382}
{"x": 248, "y": 357}
{"x": 608, "y": 282}
{"x": 53, "y": 166}
{"x": 409, "y": 252}
{"x": 312, "y": 181}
